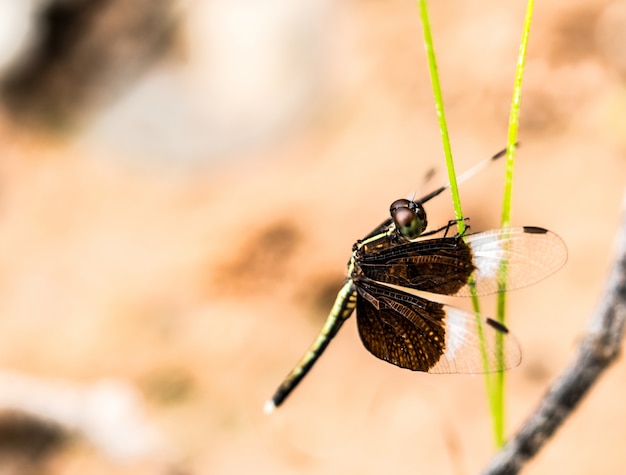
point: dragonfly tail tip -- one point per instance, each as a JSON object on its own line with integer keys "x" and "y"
{"x": 269, "y": 407}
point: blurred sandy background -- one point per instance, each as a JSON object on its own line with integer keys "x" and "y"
{"x": 180, "y": 187}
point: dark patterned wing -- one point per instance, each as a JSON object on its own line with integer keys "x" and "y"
{"x": 443, "y": 265}
{"x": 439, "y": 265}
{"x": 411, "y": 332}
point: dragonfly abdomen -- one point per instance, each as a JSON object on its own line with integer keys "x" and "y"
{"x": 342, "y": 309}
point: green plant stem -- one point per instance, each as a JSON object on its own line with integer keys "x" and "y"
{"x": 441, "y": 116}
{"x": 497, "y": 386}
{"x": 454, "y": 189}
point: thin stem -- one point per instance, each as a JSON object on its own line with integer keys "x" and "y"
{"x": 497, "y": 394}
{"x": 441, "y": 117}
{"x": 454, "y": 190}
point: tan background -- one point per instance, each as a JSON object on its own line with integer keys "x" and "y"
{"x": 191, "y": 238}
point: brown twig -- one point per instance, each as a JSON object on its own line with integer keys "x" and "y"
{"x": 600, "y": 346}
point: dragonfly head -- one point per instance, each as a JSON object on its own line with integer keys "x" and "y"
{"x": 409, "y": 218}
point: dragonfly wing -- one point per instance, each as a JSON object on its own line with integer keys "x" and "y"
{"x": 412, "y": 332}
{"x": 438, "y": 265}
{"x": 529, "y": 254}
{"x": 444, "y": 265}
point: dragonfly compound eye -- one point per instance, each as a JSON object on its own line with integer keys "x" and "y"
{"x": 409, "y": 218}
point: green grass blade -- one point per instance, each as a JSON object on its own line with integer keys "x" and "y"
{"x": 454, "y": 190}
{"x": 497, "y": 386}
{"x": 441, "y": 116}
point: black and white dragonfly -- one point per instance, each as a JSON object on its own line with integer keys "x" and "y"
{"x": 394, "y": 275}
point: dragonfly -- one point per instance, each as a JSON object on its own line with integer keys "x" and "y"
{"x": 396, "y": 275}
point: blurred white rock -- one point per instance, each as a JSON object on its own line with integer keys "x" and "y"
{"x": 250, "y": 71}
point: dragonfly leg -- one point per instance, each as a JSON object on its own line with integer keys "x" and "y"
{"x": 446, "y": 228}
